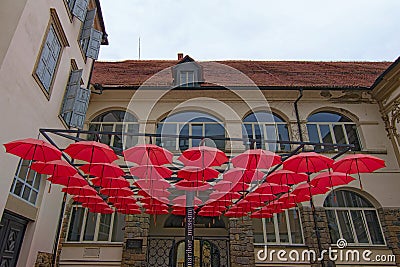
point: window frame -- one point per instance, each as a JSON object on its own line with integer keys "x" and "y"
{"x": 17, "y": 179}
{"x": 276, "y": 229}
{"x": 97, "y": 227}
{"x": 54, "y": 23}
{"x": 331, "y": 126}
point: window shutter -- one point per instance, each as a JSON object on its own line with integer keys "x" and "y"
{"x": 94, "y": 44}
{"x": 79, "y": 9}
{"x": 87, "y": 29}
{"x": 76, "y": 101}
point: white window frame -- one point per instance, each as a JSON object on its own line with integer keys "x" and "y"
{"x": 114, "y": 126}
{"x": 97, "y": 227}
{"x": 349, "y": 209}
{"x": 332, "y": 133}
{"x": 25, "y": 184}
{"x": 187, "y": 73}
{"x": 263, "y": 127}
{"x": 276, "y": 228}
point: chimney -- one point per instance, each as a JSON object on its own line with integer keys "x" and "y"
{"x": 180, "y": 56}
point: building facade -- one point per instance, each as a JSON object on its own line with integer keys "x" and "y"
{"x": 47, "y": 48}
{"x": 351, "y": 103}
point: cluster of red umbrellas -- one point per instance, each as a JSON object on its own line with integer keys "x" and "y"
{"x": 247, "y": 188}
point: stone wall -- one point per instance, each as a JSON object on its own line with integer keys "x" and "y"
{"x": 390, "y": 220}
{"x": 241, "y": 242}
{"x": 137, "y": 227}
{"x": 312, "y": 231}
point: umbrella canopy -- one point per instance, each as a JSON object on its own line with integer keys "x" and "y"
{"x": 192, "y": 185}
{"x": 129, "y": 211}
{"x": 156, "y": 211}
{"x": 327, "y": 179}
{"x": 226, "y": 186}
{"x": 271, "y": 188}
{"x": 155, "y": 207}
{"x": 191, "y": 173}
{"x": 152, "y": 192}
{"x": 308, "y": 189}
{"x": 181, "y": 201}
{"x": 261, "y": 214}
{"x": 224, "y": 196}
{"x": 287, "y": 177}
{"x": 117, "y": 192}
{"x": 101, "y": 210}
{"x": 80, "y": 190}
{"x": 148, "y": 154}
{"x": 213, "y": 208}
{"x": 209, "y": 213}
{"x": 126, "y": 205}
{"x": 151, "y": 172}
{"x": 88, "y": 199}
{"x": 91, "y": 151}
{"x": 102, "y": 169}
{"x": 109, "y": 182}
{"x": 180, "y": 211}
{"x": 292, "y": 198}
{"x": 358, "y": 163}
{"x": 236, "y": 213}
{"x": 259, "y": 197}
{"x": 122, "y": 200}
{"x": 203, "y": 156}
{"x": 33, "y": 149}
{"x": 307, "y": 162}
{"x": 256, "y": 159}
{"x": 54, "y": 168}
{"x": 153, "y": 184}
{"x": 154, "y": 201}
{"x": 239, "y": 175}
{"x": 74, "y": 180}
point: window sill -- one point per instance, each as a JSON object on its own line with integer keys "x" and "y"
{"x": 92, "y": 244}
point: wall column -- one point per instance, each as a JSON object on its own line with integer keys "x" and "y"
{"x": 390, "y": 220}
{"x": 241, "y": 243}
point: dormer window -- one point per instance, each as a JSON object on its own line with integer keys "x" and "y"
{"x": 187, "y": 73}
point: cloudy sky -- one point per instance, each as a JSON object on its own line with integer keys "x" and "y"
{"x": 253, "y": 29}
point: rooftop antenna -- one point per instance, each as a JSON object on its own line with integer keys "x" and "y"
{"x": 139, "y": 47}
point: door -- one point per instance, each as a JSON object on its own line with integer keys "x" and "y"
{"x": 12, "y": 230}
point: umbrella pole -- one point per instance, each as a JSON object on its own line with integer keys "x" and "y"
{"x": 56, "y": 240}
{"x": 189, "y": 230}
{"x": 359, "y": 176}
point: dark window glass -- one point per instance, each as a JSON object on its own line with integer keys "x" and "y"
{"x": 75, "y": 227}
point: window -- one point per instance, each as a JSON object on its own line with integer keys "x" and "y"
{"x": 50, "y": 54}
{"x": 207, "y": 129}
{"x": 115, "y": 121}
{"x": 26, "y": 182}
{"x": 206, "y": 253}
{"x": 186, "y": 78}
{"x": 332, "y": 128}
{"x": 282, "y": 228}
{"x": 90, "y": 38}
{"x": 94, "y": 227}
{"x": 354, "y": 218}
{"x": 78, "y": 8}
{"x": 263, "y": 126}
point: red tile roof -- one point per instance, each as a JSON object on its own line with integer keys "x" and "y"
{"x": 131, "y": 73}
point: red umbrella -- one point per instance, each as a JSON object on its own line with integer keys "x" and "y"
{"x": 192, "y": 185}
{"x": 327, "y": 179}
{"x": 109, "y": 182}
{"x": 261, "y": 214}
{"x": 155, "y": 201}
{"x": 74, "y": 180}
{"x": 80, "y": 190}
{"x": 271, "y": 188}
{"x": 236, "y": 213}
{"x": 122, "y": 200}
{"x": 358, "y": 163}
{"x": 91, "y": 152}
{"x": 153, "y": 184}
{"x": 247, "y": 205}
{"x": 54, "y": 168}
{"x": 88, "y": 199}
{"x": 227, "y": 186}
{"x": 102, "y": 169}
{"x": 239, "y": 175}
{"x": 155, "y": 206}
{"x": 126, "y": 205}
{"x": 156, "y": 211}
{"x": 152, "y": 192}
{"x": 209, "y": 213}
{"x": 307, "y": 162}
{"x": 181, "y": 201}
{"x": 151, "y": 172}
{"x": 100, "y": 204}
{"x": 286, "y": 177}
{"x": 179, "y": 211}
{"x": 190, "y": 173}
{"x": 256, "y": 159}
{"x": 33, "y": 149}
{"x": 213, "y": 208}
{"x": 223, "y": 202}
{"x": 102, "y": 210}
{"x": 148, "y": 154}
{"x": 203, "y": 156}
{"x": 307, "y": 189}
{"x": 114, "y": 192}
{"x": 129, "y": 211}
{"x": 260, "y": 197}
{"x": 292, "y": 198}
{"x": 224, "y": 195}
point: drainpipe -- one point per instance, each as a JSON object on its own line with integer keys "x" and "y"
{"x": 296, "y": 109}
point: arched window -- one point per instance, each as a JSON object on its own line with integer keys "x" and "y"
{"x": 205, "y": 254}
{"x": 352, "y": 217}
{"x": 175, "y": 128}
{"x": 332, "y": 128}
{"x": 282, "y": 228}
{"x": 85, "y": 226}
{"x": 115, "y": 121}
{"x": 265, "y": 126}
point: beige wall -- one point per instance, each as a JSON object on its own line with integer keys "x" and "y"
{"x": 25, "y": 108}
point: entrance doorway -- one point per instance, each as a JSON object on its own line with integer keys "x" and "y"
{"x": 206, "y": 254}
{"x": 12, "y": 230}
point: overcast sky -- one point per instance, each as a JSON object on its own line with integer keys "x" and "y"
{"x": 253, "y": 29}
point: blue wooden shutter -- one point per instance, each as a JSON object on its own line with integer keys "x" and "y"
{"x": 87, "y": 29}
{"x": 79, "y": 9}
{"x": 76, "y": 101}
{"x": 94, "y": 44}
